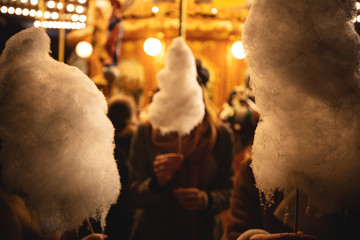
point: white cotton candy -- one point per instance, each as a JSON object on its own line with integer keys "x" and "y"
{"x": 304, "y": 64}
{"x": 178, "y": 106}
{"x": 57, "y": 145}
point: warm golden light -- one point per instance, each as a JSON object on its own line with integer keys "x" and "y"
{"x": 47, "y": 14}
{"x": 32, "y": 13}
{"x": 237, "y": 50}
{"x": 214, "y": 11}
{"x": 51, "y": 4}
{"x": 152, "y": 46}
{"x": 37, "y": 23}
{"x": 39, "y": 13}
{"x": 82, "y": 18}
{"x": 79, "y": 9}
{"x": 25, "y": 12}
{"x": 54, "y": 15}
{"x": 70, "y": 7}
{"x": 75, "y": 17}
{"x": 84, "y": 49}
{"x": 18, "y": 11}
{"x": 4, "y": 9}
{"x": 11, "y": 10}
{"x": 155, "y": 9}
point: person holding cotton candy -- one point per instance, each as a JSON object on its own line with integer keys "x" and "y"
{"x": 305, "y": 76}
{"x": 57, "y": 166}
{"x": 181, "y": 159}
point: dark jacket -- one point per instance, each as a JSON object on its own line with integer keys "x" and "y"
{"x": 246, "y": 211}
{"x": 154, "y": 218}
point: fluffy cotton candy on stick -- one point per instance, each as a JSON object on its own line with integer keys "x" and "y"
{"x": 304, "y": 64}
{"x": 57, "y": 142}
{"x": 178, "y": 106}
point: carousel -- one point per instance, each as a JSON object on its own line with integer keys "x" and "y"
{"x": 121, "y": 45}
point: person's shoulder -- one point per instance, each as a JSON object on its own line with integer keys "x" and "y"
{"x": 142, "y": 125}
{"x": 224, "y": 131}
{"x": 143, "y": 128}
{"x": 11, "y": 226}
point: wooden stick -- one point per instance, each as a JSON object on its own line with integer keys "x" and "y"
{"x": 90, "y": 226}
{"x": 296, "y": 216}
{"x": 182, "y": 18}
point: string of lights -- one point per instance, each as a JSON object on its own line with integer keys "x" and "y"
{"x": 59, "y": 14}
{"x": 357, "y": 18}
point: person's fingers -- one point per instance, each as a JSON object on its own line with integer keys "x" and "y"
{"x": 170, "y": 160}
{"x": 164, "y": 175}
{"x": 163, "y": 167}
{"x": 190, "y": 200}
{"x": 283, "y": 236}
{"x": 169, "y": 156}
{"x": 193, "y": 205}
{"x": 185, "y": 191}
{"x": 278, "y": 236}
{"x": 95, "y": 236}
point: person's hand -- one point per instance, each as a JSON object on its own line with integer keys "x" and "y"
{"x": 95, "y": 236}
{"x": 191, "y": 198}
{"x": 283, "y": 236}
{"x": 165, "y": 165}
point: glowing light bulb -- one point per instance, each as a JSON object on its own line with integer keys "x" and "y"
{"x": 4, "y": 9}
{"x": 32, "y": 13}
{"x": 51, "y": 4}
{"x": 70, "y": 7}
{"x": 47, "y": 14}
{"x": 75, "y": 18}
{"x": 39, "y": 13}
{"x": 82, "y": 18}
{"x": 152, "y": 46}
{"x": 237, "y": 50}
{"x": 11, "y": 10}
{"x": 37, "y": 23}
{"x": 83, "y": 49}
{"x": 155, "y": 9}
{"x": 54, "y": 15}
{"x": 25, "y": 12}
{"x": 214, "y": 11}
{"x": 79, "y": 9}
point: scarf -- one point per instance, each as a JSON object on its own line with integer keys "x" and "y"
{"x": 196, "y": 149}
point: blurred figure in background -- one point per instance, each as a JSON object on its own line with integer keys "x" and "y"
{"x": 240, "y": 113}
{"x": 122, "y": 111}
